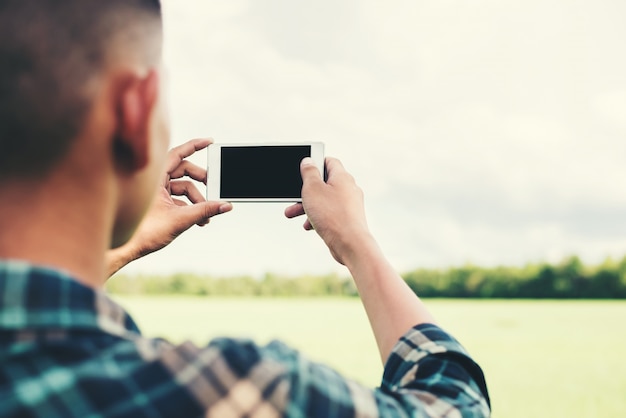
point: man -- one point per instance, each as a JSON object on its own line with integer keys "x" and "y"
{"x": 83, "y": 137}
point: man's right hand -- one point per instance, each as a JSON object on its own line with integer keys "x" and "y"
{"x": 334, "y": 209}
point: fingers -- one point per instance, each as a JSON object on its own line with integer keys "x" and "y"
{"x": 310, "y": 173}
{"x": 188, "y": 189}
{"x": 201, "y": 213}
{"x": 179, "y": 153}
{"x": 334, "y": 167}
{"x": 186, "y": 168}
{"x": 294, "y": 211}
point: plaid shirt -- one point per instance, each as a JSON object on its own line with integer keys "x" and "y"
{"x": 67, "y": 350}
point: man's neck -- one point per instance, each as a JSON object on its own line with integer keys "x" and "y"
{"x": 56, "y": 226}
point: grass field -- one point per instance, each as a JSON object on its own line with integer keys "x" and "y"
{"x": 541, "y": 358}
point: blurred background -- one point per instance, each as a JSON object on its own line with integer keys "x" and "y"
{"x": 488, "y": 132}
{"x": 484, "y": 134}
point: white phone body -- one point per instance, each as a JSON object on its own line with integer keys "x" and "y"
{"x": 259, "y": 172}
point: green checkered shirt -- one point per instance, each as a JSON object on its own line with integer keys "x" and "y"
{"x": 67, "y": 350}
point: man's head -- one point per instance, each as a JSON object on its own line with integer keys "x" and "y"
{"x": 50, "y": 53}
{"x": 81, "y": 77}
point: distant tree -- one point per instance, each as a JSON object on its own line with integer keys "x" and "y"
{"x": 568, "y": 279}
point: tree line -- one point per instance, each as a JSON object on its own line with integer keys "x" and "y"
{"x": 570, "y": 279}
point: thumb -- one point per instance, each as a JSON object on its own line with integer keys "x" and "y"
{"x": 309, "y": 171}
{"x": 201, "y": 213}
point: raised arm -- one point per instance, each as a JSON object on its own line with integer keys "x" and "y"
{"x": 169, "y": 217}
{"x": 427, "y": 372}
{"x": 335, "y": 210}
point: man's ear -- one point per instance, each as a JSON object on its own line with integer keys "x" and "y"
{"x": 137, "y": 100}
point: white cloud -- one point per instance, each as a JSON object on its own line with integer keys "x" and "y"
{"x": 610, "y": 109}
{"x": 490, "y": 132}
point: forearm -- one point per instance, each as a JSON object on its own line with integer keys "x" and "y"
{"x": 118, "y": 258}
{"x": 335, "y": 209}
{"x": 391, "y": 306}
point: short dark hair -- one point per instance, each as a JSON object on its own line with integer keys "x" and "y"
{"x": 49, "y": 52}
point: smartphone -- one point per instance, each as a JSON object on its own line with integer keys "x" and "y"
{"x": 261, "y": 172}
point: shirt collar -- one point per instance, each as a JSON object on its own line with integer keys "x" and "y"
{"x": 33, "y": 297}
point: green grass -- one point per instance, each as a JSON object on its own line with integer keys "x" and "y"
{"x": 541, "y": 358}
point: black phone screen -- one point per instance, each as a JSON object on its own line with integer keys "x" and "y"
{"x": 257, "y": 172}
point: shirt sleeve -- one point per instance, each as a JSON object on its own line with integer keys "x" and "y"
{"x": 428, "y": 374}
{"x": 429, "y": 371}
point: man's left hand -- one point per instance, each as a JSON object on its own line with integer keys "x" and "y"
{"x": 168, "y": 217}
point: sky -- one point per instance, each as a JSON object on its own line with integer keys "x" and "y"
{"x": 487, "y": 132}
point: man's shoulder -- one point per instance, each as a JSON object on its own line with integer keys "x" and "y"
{"x": 81, "y": 372}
